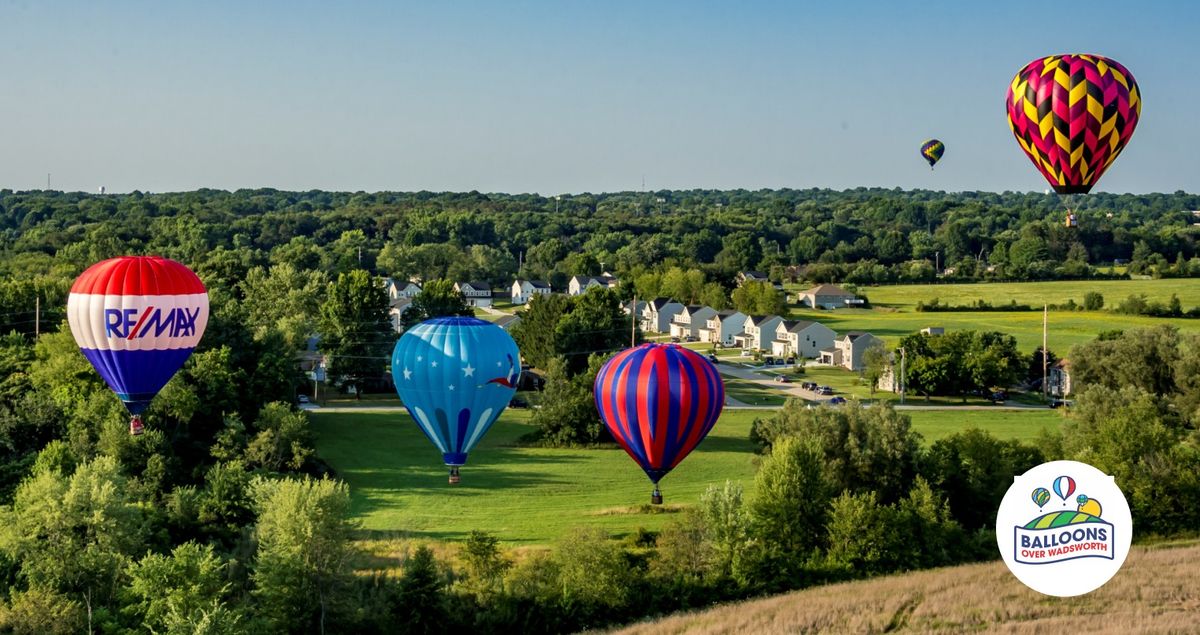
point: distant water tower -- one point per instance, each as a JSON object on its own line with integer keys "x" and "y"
{"x": 101, "y": 190}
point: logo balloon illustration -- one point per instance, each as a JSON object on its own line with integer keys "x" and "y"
{"x": 932, "y": 150}
{"x": 659, "y": 402}
{"x": 1041, "y": 496}
{"x": 1073, "y": 115}
{"x": 455, "y": 376}
{"x": 137, "y": 320}
{"x": 1064, "y": 486}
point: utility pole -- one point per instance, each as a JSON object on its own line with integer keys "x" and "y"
{"x": 903, "y": 385}
{"x": 37, "y": 317}
{"x": 1045, "y": 384}
{"x": 633, "y": 323}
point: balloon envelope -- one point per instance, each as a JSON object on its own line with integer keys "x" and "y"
{"x": 137, "y": 319}
{"x": 1064, "y": 486}
{"x": 455, "y": 376}
{"x": 659, "y": 402}
{"x": 1041, "y": 496}
{"x": 1072, "y": 115}
{"x": 932, "y": 150}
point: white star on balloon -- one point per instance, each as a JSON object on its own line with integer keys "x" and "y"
{"x": 435, "y": 364}
{"x": 420, "y": 358}
{"x": 407, "y": 374}
{"x": 451, "y": 386}
{"x": 499, "y": 364}
{"x": 468, "y": 371}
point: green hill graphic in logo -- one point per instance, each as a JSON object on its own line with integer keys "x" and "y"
{"x": 1061, "y": 519}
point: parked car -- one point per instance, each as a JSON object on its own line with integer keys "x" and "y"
{"x": 768, "y": 360}
{"x": 824, "y": 390}
{"x": 782, "y": 379}
{"x": 999, "y": 397}
{"x": 791, "y": 361}
{"x": 1061, "y": 403}
{"x": 302, "y": 398}
{"x": 713, "y": 358}
{"x": 747, "y": 353}
{"x": 518, "y": 402}
{"x": 675, "y": 340}
{"x": 837, "y": 401}
{"x": 691, "y": 338}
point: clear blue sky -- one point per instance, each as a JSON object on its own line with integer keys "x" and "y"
{"x": 565, "y": 97}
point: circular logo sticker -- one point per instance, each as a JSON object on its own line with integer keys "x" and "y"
{"x": 1064, "y": 528}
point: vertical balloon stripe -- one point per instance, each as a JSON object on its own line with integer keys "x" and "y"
{"x": 658, "y": 402}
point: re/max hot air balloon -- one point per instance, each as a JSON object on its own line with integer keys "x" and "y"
{"x": 455, "y": 376}
{"x": 1064, "y": 486}
{"x": 1072, "y": 115}
{"x": 659, "y": 402}
{"x": 1041, "y": 496}
{"x": 933, "y": 150}
{"x": 137, "y": 319}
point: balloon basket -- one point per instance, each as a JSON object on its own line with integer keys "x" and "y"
{"x": 454, "y": 477}
{"x": 135, "y": 426}
{"x": 656, "y": 497}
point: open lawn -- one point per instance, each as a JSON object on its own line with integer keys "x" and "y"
{"x": 1066, "y": 328}
{"x": 753, "y": 394}
{"x": 1155, "y": 592}
{"x": 1035, "y": 293}
{"x": 531, "y": 496}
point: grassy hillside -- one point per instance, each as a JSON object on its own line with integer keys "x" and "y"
{"x": 1035, "y": 293}
{"x": 532, "y": 496}
{"x": 1155, "y": 592}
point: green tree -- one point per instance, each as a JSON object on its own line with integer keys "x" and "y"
{"x": 974, "y": 470}
{"x": 422, "y": 604}
{"x": 302, "y": 565}
{"x": 758, "y": 298}
{"x": 283, "y": 440}
{"x": 594, "y": 324}
{"x": 355, "y": 330}
{"x": 437, "y": 298}
{"x": 185, "y": 592}
{"x": 567, "y": 415}
{"x": 877, "y": 361}
{"x": 592, "y": 570}
{"x": 535, "y": 333}
{"x": 485, "y": 565}
{"x": 285, "y": 299}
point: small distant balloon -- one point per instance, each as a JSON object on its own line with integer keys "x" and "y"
{"x": 933, "y": 150}
{"x": 1041, "y": 496}
{"x": 1064, "y": 486}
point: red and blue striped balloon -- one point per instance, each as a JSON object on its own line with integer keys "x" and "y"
{"x": 137, "y": 319}
{"x": 659, "y": 402}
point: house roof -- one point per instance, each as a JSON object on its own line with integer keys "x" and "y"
{"x": 659, "y": 303}
{"x": 832, "y": 349}
{"x": 759, "y": 319}
{"x": 726, "y": 313}
{"x": 1062, "y": 364}
{"x": 476, "y": 285}
{"x": 754, "y": 275}
{"x": 506, "y": 320}
{"x": 827, "y": 289}
{"x": 539, "y": 284}
{"x": 854, "y": 335}
{"x": 799, "y": 325}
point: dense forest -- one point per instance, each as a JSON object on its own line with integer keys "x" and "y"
{"x": 221, "y": 518}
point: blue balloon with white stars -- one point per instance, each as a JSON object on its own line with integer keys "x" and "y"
{"x": 455, "y": 376}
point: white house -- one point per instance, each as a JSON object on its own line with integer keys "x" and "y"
{"x": 400, "y": 289}
{"x": 723, "y": 327}
{"x": 524, "y": 290}
{"x": 803, "y": 338}
{"x": 1058, "y": 382}
{"x": 933, "y": 330}
{"x": 688, "y": 322}
{"x": 758, "y": 332}
{"x": 580, "y": 284}
{"x": 658, "y": 313}
{"x": 828, "y": 296}
{"x": 632, "y": 307}
{"x": 847, "y": 350}
{"x": 396, "y": 310}
{"x": 477, "y": 294}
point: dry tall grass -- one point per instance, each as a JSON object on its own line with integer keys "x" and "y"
{"x": 1157, "y": 591}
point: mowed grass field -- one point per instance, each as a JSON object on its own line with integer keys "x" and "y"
{"x": 894, "y": 314}
{"x": 1154, "y": 592}
{"x": 532, "y": 496}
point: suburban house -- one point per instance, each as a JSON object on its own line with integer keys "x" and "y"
{"x": 1058, "y": 380}
{"x": 396, "y": 311}
{"x": 723, "y": 327}
{"x": 827, "y": 296}
{"x": 688, "y": 322}
{"x": 508, "y": 321}
{"x": 477, "y": 294}
{"x": 523, "y": 290}
{"x": 580, "y": 284}
{"x": 802, "y": 338}
{"x": 758, "y": 332}
{"x": 933, "y": 330}
{"x": 658, "y": 313}
{"x": 847, "y": 350}
{"x": 400, "y": 289}
{"x": 631, "y": 307}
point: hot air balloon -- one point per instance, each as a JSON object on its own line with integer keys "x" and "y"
{"x": 137, "y": 319}
{"x": 659, "y": 402}
{"x": 1041, "y": 496}
{"x": 455, "y": 376}
{"x": 932, "y": 150}
{"x": 1072, "y": 115}
{"x": 1064, "y": 486}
